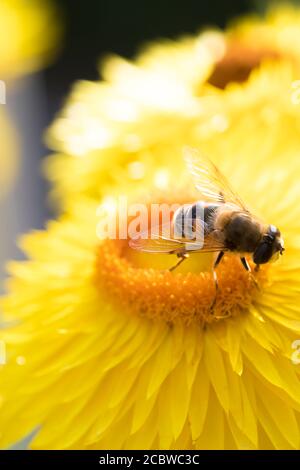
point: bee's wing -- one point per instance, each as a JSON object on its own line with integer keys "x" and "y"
{"x": 211, "y": 183}
{"x": 165, "y": 243}
{"x": 159, "y": 245}
{"x": 161, "y": 239}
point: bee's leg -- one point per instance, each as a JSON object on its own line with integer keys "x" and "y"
{"x": 182, "y": 257}
{"x": 222, "y": 196}
{"x": 246, "y": 264}
{"x": 248, "y": 268}
{"x": 216, "y": 263}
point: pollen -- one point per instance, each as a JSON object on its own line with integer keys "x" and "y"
{"x": 175, "y": 297}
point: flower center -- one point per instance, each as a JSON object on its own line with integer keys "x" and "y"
{"x": 188, "y": 294}
{"x": 238, "y": 62}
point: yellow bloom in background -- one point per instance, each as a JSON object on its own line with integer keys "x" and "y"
{"x": 135, "y": 117}
{"x": 107, "y": 351}
{"x": 33, "y": 29}
{"x": 276, "y": 33}
{"x": 132, "y": 121}
{"x": 254, "y": 38}
{"x": 29, "y": 33}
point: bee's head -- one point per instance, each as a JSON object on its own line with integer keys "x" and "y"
{"x": 270, "y": 246}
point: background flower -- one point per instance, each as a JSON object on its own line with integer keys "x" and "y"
{"x": 143, "y": 111}
{"x": 29, "y": 35}
{"x": 132, "y": 121}
{"x": 276, "y": 33}
{"x": 33, "y": 31}
{"x": 254, "y": 38}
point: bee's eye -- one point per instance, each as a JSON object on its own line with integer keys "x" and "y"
{"x": 263, "y": 253}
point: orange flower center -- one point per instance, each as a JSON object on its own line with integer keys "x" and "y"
{"x": 188, "y": 294}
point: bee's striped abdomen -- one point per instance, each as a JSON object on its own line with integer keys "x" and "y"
{"x": 189, "y": 219}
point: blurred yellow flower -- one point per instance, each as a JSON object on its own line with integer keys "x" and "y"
{"x": 276, "y": 33}
{"x": 136, "y": 117}
{"x": 33, "y": 30}
{"x": 252, "y": 39}
{"x": 133, "y": 120}
{"x": 29, "y": 33}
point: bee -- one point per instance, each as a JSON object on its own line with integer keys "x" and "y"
{"x": 227, "y": 224}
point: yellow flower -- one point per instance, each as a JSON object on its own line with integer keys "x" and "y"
{"x": 276, "y": 33}
{"x": 32, "y": 29}
{"x": 107, "y": 351}
{"x": 252, "y": 39}
{"x": 28, "y": 37}
{"x": 132, "y": 120}
{"x": 138, "y": 114}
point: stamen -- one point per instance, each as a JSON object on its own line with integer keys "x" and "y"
{"x": 174, "y": 296}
